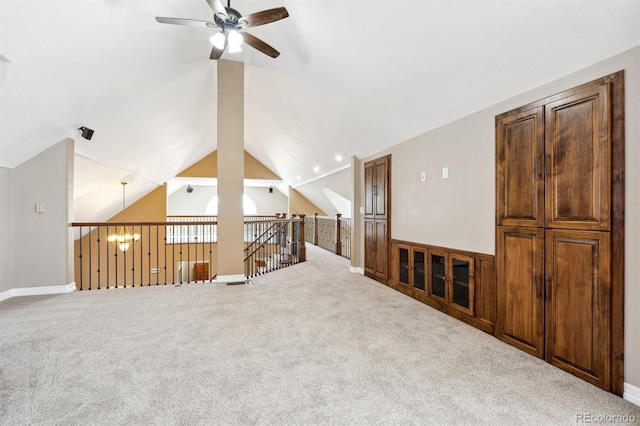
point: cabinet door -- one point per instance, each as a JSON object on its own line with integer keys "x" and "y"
{"x": 460, "y": 278}
{"x": 438, "y": 277}
{"x": 520, "y": 266}
{"x": 369, "y": 184}
{"x": 369, "y": 245}
{"x": 578, "y": 160}
{"x": 381, "y": 250}
{"x": 519, "y": 168}
{"x": 578, "y": 310}
{"x": 380, "y": 190}
{"x": 403, "y": 265}
{"x": 419, "y": 281}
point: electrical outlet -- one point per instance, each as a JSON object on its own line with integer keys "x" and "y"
{"x": 40, "y": 208}
{"x": 445, "y": 173}
{"x": 423, "y": 177}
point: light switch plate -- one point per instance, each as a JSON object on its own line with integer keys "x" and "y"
{"x": 40, "y": 208}
{"x": 361, "y": 210}
{"x": 445, "y": 173}
{"x": 423, "y": 177}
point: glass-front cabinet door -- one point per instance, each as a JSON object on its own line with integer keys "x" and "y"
{"x": 438, "y": 278}
{"x": 461, "y": 279}
{"x": 419, "y": 269}
{"x": 403, "y": 266}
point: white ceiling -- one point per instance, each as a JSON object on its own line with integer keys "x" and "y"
{"x": 353, "y": 77}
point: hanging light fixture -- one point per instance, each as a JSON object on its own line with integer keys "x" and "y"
{"x": 123, "y": 238}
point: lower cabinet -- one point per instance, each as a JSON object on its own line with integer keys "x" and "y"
{"x": 411, "y": 270}
{"x": 459, "y": 283}
{"x": 554, "y": 298}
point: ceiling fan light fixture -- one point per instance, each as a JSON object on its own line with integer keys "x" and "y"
{"x": 235, "y": 40}
{"x": 235, "y": 49}
{"x": 218, "y": 40}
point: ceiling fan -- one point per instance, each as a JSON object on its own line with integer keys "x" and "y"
{"x": 231, "y": 23}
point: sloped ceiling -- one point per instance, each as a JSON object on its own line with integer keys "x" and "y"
{"x": 354, "y": 77}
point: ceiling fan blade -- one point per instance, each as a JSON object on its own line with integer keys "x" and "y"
{"x": 189, "y": 22}
{"x": 217, "y": 53}
{"x": 218, "y": 9}
{"x": 260, "y": 45}
{"x": 264, "y": 17}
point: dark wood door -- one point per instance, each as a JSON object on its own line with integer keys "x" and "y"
{"x": 578, "y": 304}
{"x": 578, "y": 163}
{"x": 377, "y": 216}
{"x": 520, "y": 265}
{"x": 519, "y": 168}
{"x": 461, "y": 282}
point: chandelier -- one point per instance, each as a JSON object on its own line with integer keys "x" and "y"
{"x": 123, "y": 238}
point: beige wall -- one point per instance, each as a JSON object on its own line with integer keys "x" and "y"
{"x": 150, "y": 208}
{"x": 42, "y": 255}
{"x": 299, "y": 204}
{"x": 208, "y": 167}
{"x": 460, "y": 212}
{"x": 6, "y": 229}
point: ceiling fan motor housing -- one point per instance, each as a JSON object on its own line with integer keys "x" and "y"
{"x": 231, "y": 22}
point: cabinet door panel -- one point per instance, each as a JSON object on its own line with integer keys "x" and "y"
{"x": 578, "y": 160}
{"x": 404, "y": 267}
{"x": 520, "y": 265}
{"x": 578, "y": 311}
{"x": 419, "y": 283}
{"x": 382, "y": 250}
{"x": 381, "y": 177}
{"x": 520, "y": 182}
{"x": 368, "y": 189}
{"x": 461, "y": 276}
{"x": 369, "y": 246}
{"x": 438, "y": 277}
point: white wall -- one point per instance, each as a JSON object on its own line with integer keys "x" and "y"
{"x": 6, "y": 229}
{"x": 332, "y": 193}
{"x": 42, "y": 247}
{"x": 195, "y": 203}
{"x": 460, "y": 212}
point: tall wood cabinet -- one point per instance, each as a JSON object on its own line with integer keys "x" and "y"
{"x": 377, "y": 218}
{"x": 559, "y": 213}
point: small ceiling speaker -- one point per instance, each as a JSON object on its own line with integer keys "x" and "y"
{"x": 189, "y": 189}
{"x": 87, "y": 133}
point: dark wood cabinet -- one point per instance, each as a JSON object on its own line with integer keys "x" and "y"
{"x": 577, "y": 295}
{"x": 376, "y": 249}
{"x": 459, "y": 283}
{"x": 410, "y": 269}
{"x": 559, "y": 164}
{"x": 520, "y": 263}
{"x": 376, "y": 221}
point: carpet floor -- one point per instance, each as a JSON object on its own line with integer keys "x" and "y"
{"x": 305, "y": 345}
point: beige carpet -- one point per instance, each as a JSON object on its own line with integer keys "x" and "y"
{"x": 309, "y": 344}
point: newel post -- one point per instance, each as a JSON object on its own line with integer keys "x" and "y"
{"x": 302, "y": 248}
{"x": 337, "y": 247}
{"x": 315, "y": 229}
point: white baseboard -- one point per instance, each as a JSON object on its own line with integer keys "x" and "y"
{"x": 37, "y": 291}
{"x": 356, "y": 270}
{"x": 631, "y": 393}
{"x": 231, "y": 279}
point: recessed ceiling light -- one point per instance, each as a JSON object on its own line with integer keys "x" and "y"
{"x": 338, "y": 157}
{"x": 316, "y": 169}
{"x": 298, "y": 177}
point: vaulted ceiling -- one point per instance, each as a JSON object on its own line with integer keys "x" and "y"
{"x": 353, "y": 77}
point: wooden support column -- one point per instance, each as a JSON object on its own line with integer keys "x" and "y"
{"x": 302, "y": 251}
{"x": 230, "y": 171}
{"x": 315, "y": 229}
{"x": 338, "y": 244}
